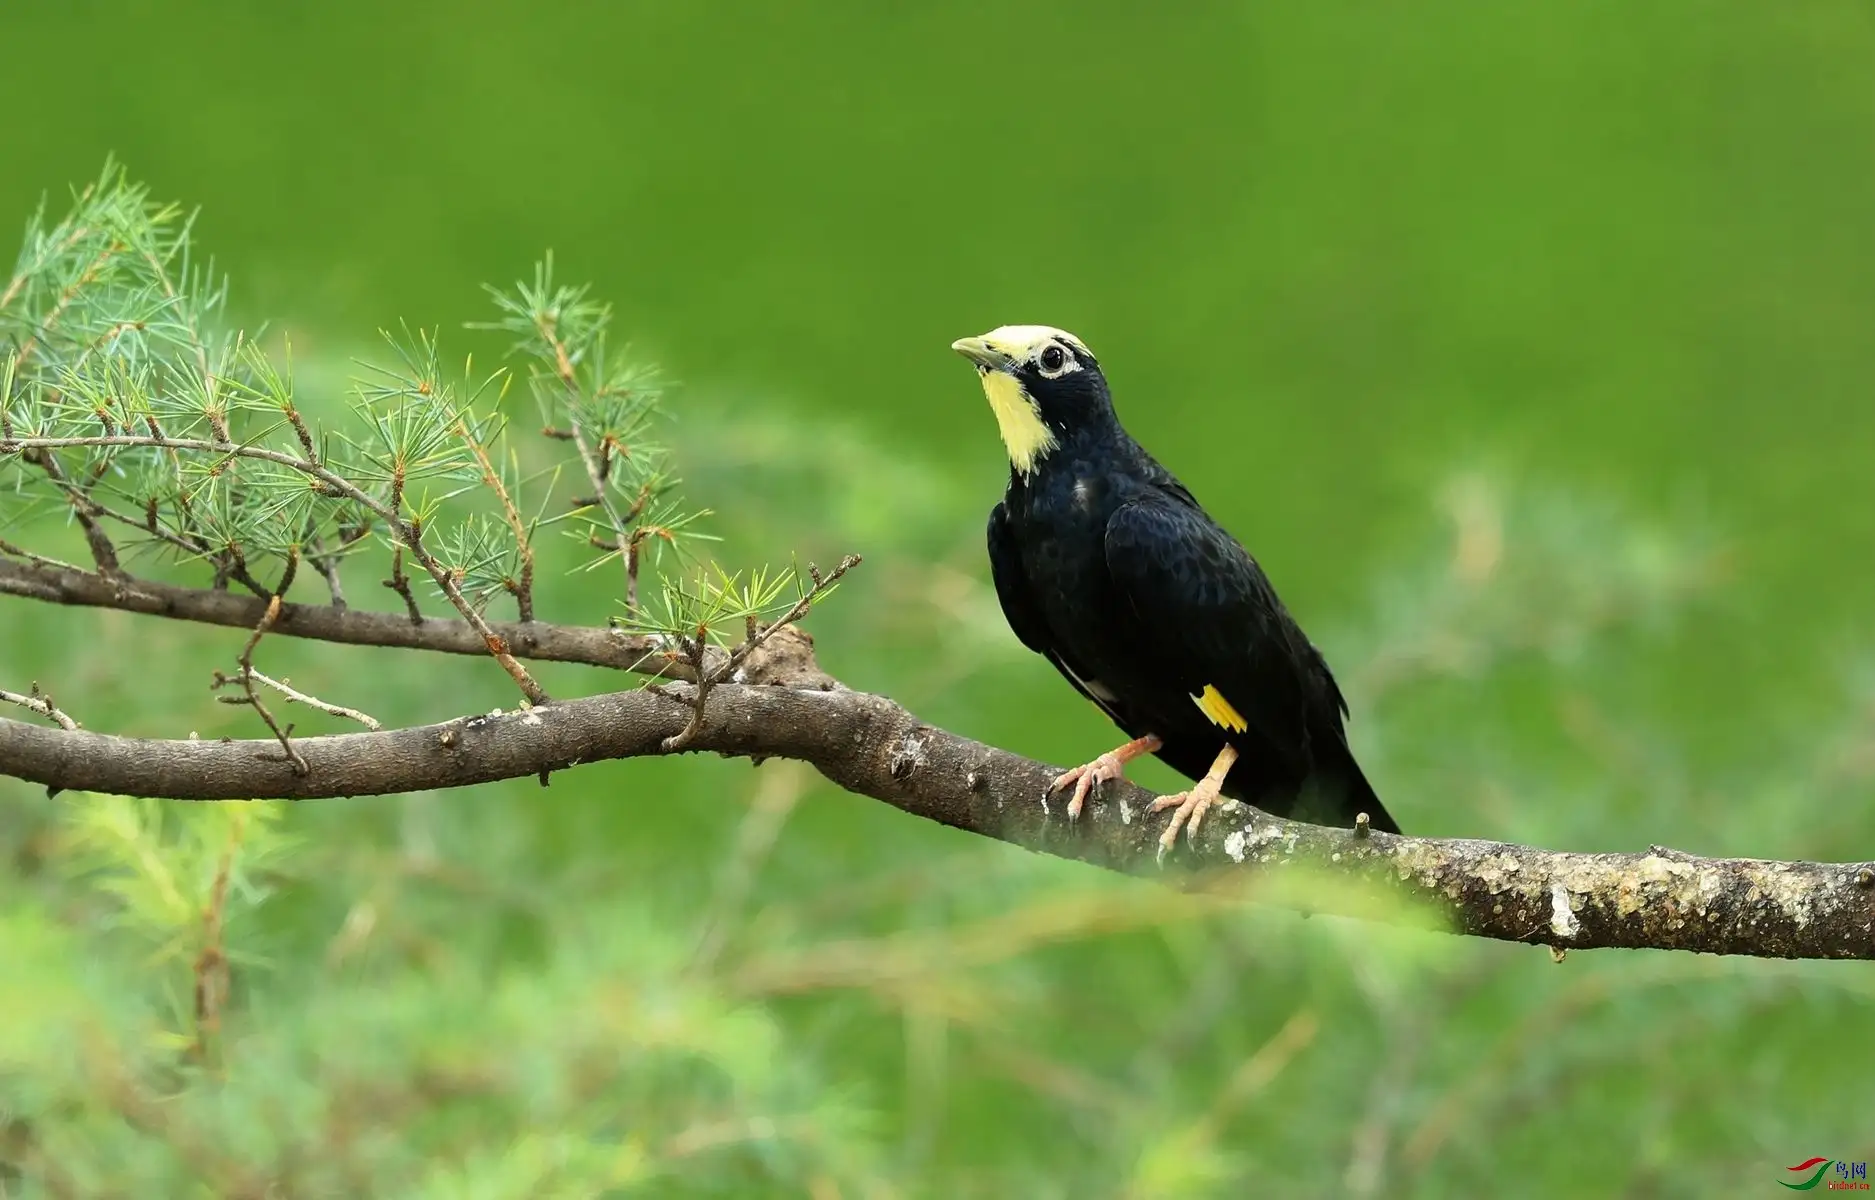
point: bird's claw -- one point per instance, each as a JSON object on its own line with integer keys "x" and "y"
{"x": 1105, "y": 769}
{"x": 1188, "y": 809}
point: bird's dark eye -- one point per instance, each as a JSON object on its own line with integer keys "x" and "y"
{"x": 1053, "y": 358}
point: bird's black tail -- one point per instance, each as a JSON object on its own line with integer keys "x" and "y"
{"x": 1338, "y": 794}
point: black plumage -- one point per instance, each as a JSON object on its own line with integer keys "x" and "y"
{"x": 1107, "y": 566}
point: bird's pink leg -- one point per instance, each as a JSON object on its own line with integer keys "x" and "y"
{"x": 1188, "y": 807}
{"x": 1109, "y": 766}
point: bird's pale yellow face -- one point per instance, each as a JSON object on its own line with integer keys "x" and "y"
{"x": 1013, "y": 362}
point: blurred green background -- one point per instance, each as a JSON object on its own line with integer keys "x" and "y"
{"x": 1589, "y": 284}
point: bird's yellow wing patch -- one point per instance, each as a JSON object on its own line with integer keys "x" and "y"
{"x": 1212, "y": 704}
{"x": 1024, "y": 435}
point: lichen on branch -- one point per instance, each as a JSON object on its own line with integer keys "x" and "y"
{"x": 869, "y": 745}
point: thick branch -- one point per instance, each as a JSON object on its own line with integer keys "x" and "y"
{"x": 869, "y": 745}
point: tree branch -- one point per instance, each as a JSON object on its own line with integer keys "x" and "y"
{"x": 780, "y": 658}
{"x": 37, "y": 701}
{"x": 590, "y": 457}
{"x": 408, "y": 532}
{"x": 295, "y": 696}
{"x": 869, "y": 745}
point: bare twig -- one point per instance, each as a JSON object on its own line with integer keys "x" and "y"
{"x": 294, "y": 696}
{"x": 714, "y": 1135}
{"x": 496, "y": 644}
{"x": 41, "y": 703}
{"x": 400, "y": 583}
{"x": 301, "y": 432}
{"x": 38, "y": 560}
{"x": 246, "y": 677}
{"x": 327, "y": 564}
{"x": 1373, "y": 1134}
{"x": 694, "y": 651}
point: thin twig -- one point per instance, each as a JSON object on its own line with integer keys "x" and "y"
{"x": 631, "y": 574}
{"x": 301, "y": 432}
{"x": 821, "y": 585}
{"x": 400, "y": 583}
{"x": 714, "y": 1135}
{"x": 188, "y": 543}
{"x": 85, "y": 509}
{"x": 1374, "y": 1133}
{"x": 595, "y": 465}
{"x": 524, "y": 587}
{"x": 106, "y": 338}
{"x": 41, "y": 703}
{"x": 698, "y": 647}
{"x": 497, "y": 645}
{"x": 602, "y": 496}
{"x": 327, "y": 564}
{"x": 38, "y": 560}
{"x": 694, "y": 650}
{"x": 225, "y": 567}
{"x": 634, "y": 553}
{"x": 247, "y": 676}
{"x": 294, "y": 696}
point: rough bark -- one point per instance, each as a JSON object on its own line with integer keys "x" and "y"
{"x": 869, "y": 745}
{"x": 536, "y": 640}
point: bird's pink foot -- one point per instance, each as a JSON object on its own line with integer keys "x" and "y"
{"x": 1188, "y": 808}
{"x": 1106, "y": 768}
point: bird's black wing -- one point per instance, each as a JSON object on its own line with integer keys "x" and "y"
{"x": 1024, "y": 616}
{"x": 1213, "y": 621}
{"x": 1165, "y": 481}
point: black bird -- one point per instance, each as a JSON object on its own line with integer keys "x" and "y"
{"x": 1108, "y": 567}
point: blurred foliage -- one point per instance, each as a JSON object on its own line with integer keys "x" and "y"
{"x": 1524, "y": 344}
